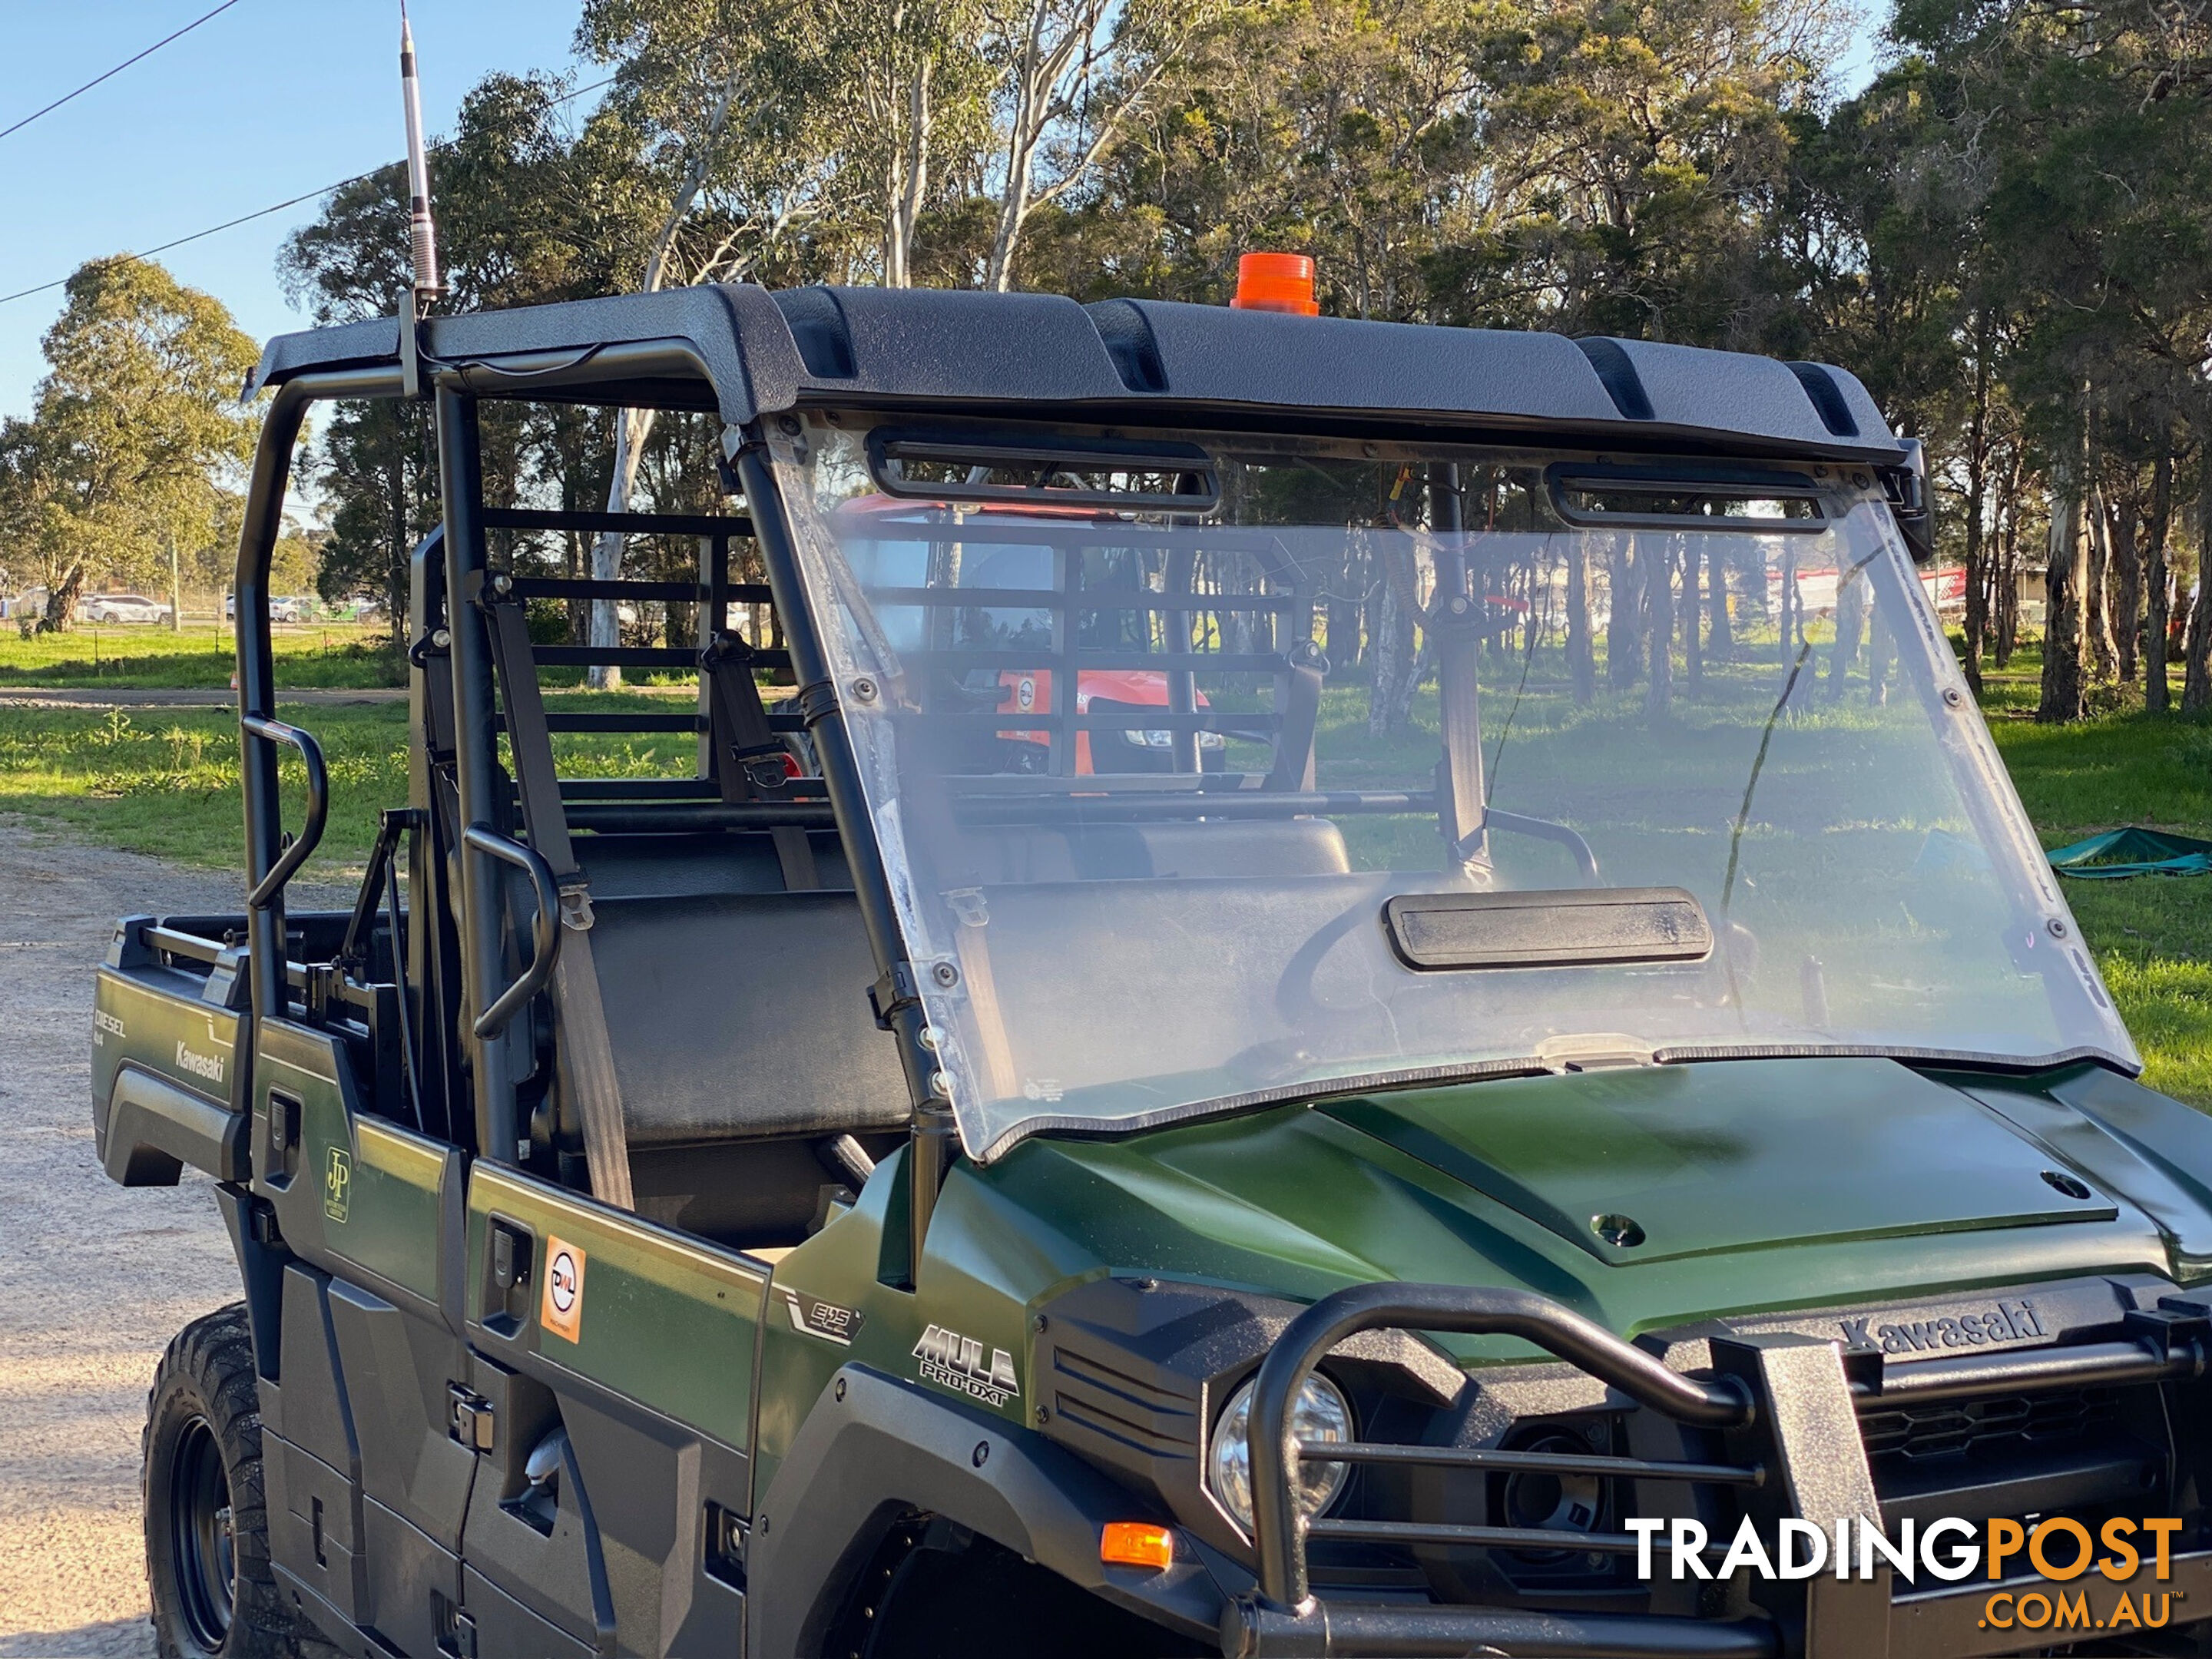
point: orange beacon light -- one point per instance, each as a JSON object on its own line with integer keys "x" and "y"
{"x": 1276, "y": 282}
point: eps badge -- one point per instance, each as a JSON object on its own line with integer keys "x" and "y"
{"x": 560, "y": 1309}
{"x": 338, "y": 1183}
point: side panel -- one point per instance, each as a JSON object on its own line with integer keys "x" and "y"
{"x": 354, "y": 1193}
{"x": 369, "y": 1484}
{"x": 150, "y": 1025}
{"x": 312, "y": 1458}
{"x": 651, "y": 1392}
{"x": 399, "y": 1374}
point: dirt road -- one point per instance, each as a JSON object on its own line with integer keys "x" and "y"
{"x": 93, "y": 1280}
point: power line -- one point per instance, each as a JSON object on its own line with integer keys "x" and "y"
{"x": 118, "y": 69}
{"x": 259, "y": 213}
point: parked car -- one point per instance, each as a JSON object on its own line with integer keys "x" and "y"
{"x": 121, "y": 608}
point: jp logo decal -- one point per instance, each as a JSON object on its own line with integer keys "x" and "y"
{"x": 338, "y": 1183}
{"x": 561, "y": 1310}
{"x": 955, "y": 1362}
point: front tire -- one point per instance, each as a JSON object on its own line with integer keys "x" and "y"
{"x": 207, "y": 1532}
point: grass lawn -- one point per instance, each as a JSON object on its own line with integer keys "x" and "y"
{"x": 201, "y": 655}
{"x": 2153, "y": 935}
{"x": 165, "y": 782}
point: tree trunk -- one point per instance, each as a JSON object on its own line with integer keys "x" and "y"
{"x": 2100, "y": 650}
{"x": 2156, "y": 695}
{"x": 2009, "y": 576}
{"x": 1788, "y": 623}
{"x": 61, "y": 601}
{"x": 1881, "y": 655}
{"x": 1722, "y": 646}
{"x": 1659, "y": 593}
{"x": 1624, "y": 637}
{"x": 1850, "y": 628}
{"x": 2197, "y": 673}
{"x": 1581, "y": 667}
{"x": 1977, "y": 460}
{"x": 909, "y": 180}
{"x": 1396, "y": 668}
{"x": 2066, "y": 575}
{"x": 1693, "y": 662}
{"x": 633, "y": 426}
{"x": 2127, "y": 587}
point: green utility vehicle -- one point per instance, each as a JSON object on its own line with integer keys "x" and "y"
{"x": 1119, "y": 1108}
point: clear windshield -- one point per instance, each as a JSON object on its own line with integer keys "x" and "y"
{"x": 1380, "y": 765}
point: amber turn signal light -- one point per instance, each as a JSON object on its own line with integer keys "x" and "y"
{"x": 1276, "y": 282}
{"x": 1137, "y": 1543}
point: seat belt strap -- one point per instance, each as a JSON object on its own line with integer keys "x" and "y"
{"x": 1460, "y": 716}
{"x": 749, "y": 757}
{"x": 1301, "y": 715}
{"x": 582, "y": 1053}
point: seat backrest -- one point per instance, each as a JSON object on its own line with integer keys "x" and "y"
{"x": 743, "y": 1016}
{"x": 991, "y": 855}
{"x": 662, "y": 866}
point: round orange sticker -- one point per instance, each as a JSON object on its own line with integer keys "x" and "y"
{"x": 561, "y": 1310}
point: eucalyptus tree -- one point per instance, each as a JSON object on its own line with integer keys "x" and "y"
{"x": 136, "y": 428}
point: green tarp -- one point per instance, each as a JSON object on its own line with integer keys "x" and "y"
{"x": 2133, "y": 851}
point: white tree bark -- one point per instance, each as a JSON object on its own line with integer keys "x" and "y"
{"x": 1053, "y": 76}
{"x": 633, "y": 426}
{"x": 909, "y": 178}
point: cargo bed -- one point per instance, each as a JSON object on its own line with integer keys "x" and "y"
{"x": 169, "y": 1083}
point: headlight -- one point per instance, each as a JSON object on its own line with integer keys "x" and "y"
{"x": 1319, "y": 1413}
{"x": 1157, "y": 739}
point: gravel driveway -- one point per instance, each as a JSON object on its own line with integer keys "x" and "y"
{"x": 93, "y": 1280}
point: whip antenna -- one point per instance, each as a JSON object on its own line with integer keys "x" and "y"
{"x": 421, "y": 234}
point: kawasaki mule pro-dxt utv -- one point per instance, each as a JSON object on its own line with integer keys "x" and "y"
{"x": 1363, "y": 954}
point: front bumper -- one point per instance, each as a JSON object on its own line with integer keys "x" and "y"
{"x": 1787, "y": 1406}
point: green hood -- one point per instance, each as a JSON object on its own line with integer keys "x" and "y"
{"x": 1727, "y": 1188}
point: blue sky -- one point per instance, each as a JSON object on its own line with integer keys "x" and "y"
{"x": 271, "y": 98}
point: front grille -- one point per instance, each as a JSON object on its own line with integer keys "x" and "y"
{"x": 1991, "y": 1426}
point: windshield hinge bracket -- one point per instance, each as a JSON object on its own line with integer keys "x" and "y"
{"x": 893, "y": 993}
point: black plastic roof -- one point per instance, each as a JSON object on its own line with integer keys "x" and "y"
{"x": 764, "y": 353}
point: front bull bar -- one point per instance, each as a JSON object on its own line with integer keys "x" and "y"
{"x": 1794, "y": 1389}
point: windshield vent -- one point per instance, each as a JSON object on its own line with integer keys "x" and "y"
{"x": 1156, "y": 479}
{"x": 1660, "y": 498}
{"x": 1576, "y": 927}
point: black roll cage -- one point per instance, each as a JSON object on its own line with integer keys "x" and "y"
{"x": 703, "y": 361}
{"x": 270, "y": 861}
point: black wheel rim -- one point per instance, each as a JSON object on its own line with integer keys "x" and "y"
{"x": 200, "y": 1534}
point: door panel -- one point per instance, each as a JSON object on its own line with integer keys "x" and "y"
{"x": 399, "y": 1374}
{"x": 636, "y": 1345}
{"x": 504, "y": 1625}
{"x": 408, "y": 1577}
{"x": 354, "y": 1193}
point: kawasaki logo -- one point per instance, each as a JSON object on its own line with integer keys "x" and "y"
{"x": 207, "y": 1066}
{"x": 2009, "y": 1321}
{"x": 955, "y": 1362}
